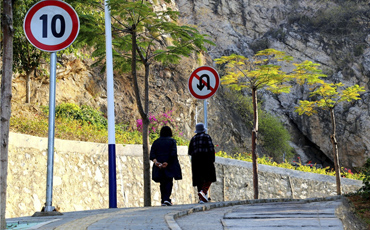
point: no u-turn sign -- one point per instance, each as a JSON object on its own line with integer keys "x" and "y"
{"x": 203, "y": 82}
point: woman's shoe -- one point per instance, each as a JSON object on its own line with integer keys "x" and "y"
{"x": 202, "y": 196}
{"x": 167, "y": 203}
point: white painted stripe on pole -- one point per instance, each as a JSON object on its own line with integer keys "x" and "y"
{"x": 110, "y": 82}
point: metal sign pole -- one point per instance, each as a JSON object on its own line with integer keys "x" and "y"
{"x": 50, "y": 162}
{"x": 196, "y": 114}
{"x": 205, "y": 113}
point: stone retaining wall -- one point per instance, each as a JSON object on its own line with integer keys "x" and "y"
{"x": 81, "y": 178}
{"x": 235, "y": 182}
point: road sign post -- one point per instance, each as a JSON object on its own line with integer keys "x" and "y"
{"x": 51, "y": 26}
{"x": 110, "y": 112}
{"x": 205, "y": 113}
{"x": 203, "y": 84}
{"x": 51, "y": 134}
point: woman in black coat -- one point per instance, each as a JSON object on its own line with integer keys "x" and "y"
{"x": 166, "y": 164}
{"x": 202, "y": 152}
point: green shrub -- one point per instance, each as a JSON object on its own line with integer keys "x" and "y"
{"x": 84, "y": 114}
{"x": 274, "y": 137}
{"x": 265, "y": 160}
{"x": 237, "y": 156}
{"x": 68, "y": 111}
{"x": 365, "y": 190}
{"x": 124, "y": 136}
{"x": 298, "y": 166}
{"x": 38, "y": 126}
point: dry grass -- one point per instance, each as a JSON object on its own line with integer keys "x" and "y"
{"x": 362, "y": 207}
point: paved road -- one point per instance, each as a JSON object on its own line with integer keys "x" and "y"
{"x": 293, "y": 215}
{"x": 255, "y": 214}
{"x": 268, "y": 216}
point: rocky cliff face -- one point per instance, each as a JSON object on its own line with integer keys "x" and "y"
{"x": 335, "y": 34}
{"x": 79, "y": 83}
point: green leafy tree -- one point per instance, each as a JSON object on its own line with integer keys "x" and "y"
{"x": 26, "y": 57}
{"x": 142, "y": 36}
{"x": 327, "y": 97}
{"x": 260, "y": 72}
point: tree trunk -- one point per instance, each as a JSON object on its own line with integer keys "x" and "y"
{"x": 146, "y": 164}
{"x": 144, "y": 116}
{"x": 28, "y": 85}
{"x": 254, "y": 143}
{"x": 146, "y": 161}
{"x": 335, "y": 152}
{"x": 6, "y": 95}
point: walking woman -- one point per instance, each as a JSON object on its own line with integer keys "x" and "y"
{"x": 202, "y": 152}
{"x": 166, "y": 165}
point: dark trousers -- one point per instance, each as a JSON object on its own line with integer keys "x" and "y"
{"x": 166, "y": 189}
{"x": 204, "y": 186}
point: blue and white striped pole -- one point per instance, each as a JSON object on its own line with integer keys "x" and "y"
{"x": 111, "y": 125}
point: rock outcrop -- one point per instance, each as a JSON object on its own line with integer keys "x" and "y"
{"x": 335, "y": 34}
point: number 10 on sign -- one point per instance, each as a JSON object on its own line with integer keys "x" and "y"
{"x": 57, "y": 29}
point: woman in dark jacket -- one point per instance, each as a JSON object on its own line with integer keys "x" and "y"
{"x": 202, "y": 152}
{"x": 166, "y": 164}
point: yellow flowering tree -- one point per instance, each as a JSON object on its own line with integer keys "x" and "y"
{"x": 329, "y": 95}
{"x": 262, "y": 72}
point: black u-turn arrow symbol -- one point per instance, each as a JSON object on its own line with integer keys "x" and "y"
{"x": 201, "y": 85}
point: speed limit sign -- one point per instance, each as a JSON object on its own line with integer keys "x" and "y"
{"x": 51, "y": 25}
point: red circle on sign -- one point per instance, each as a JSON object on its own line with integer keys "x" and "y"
{"x": 51, "y": 48}
{"x": 194, "y": 76}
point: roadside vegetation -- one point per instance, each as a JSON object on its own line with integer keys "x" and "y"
{"x": 361, "y": 199}
{"x": 346, "y": 173}
{"x": 85, "y": 123}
